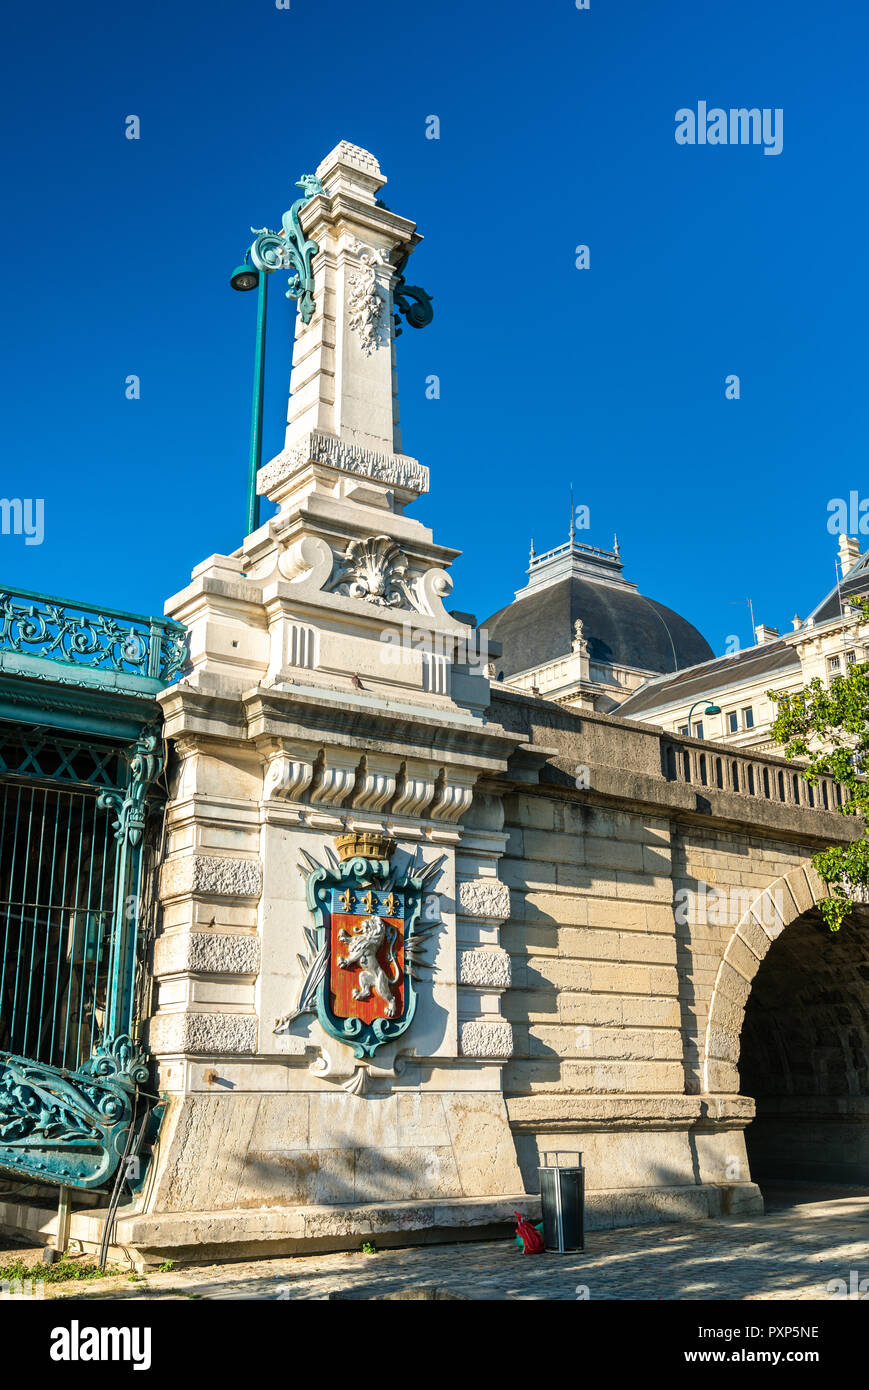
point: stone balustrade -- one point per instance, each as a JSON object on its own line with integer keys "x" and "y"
{"x": 697, "y": 763}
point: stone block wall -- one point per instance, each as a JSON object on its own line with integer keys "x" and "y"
{"x": 640, "y": 914}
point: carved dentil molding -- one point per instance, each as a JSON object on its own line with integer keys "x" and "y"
{"x": 378, "y": 787}
{"x": 337, "y": 778}
{"x": 287, "y": 777}
{"x": 453, "y": 801}
{"x": 415, "y": 795}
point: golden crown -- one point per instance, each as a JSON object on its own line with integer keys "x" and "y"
{"x": 365, "y": 844}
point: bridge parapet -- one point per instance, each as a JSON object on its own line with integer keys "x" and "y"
{"x": 697, "y": 763}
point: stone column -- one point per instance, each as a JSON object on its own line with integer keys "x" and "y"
{"x": 331, "y": 694}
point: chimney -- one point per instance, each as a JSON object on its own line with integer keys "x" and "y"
{"x": 849, "y": 553}
{"x": 763, "y": 634}
{"x": 797, "y": 622}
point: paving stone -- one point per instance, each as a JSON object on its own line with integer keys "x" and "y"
{"x": 790, "y": 1253}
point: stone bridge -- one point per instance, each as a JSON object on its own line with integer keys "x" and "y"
{"x": 674, "y": 988}
{"x": 633, "y": 966}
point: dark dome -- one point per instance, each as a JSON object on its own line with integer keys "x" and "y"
{"x": 621, "y": 627}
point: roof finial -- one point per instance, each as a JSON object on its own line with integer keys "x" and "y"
{"x": 532, "y": 547}
{"x": 616, "y": 550}
{"x": 572, "y": 532}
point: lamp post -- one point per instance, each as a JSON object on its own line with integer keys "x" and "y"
{"x": 288, "y": 249}
{"x": 247, "y": 277}
{"x": 710, "y": 709}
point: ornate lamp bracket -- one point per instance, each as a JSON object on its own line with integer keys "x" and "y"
{"x": 146, "y": 764}
{"x": 412, "y": 301}
{"x": 290, "y": 249}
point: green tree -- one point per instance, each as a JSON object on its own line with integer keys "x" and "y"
{"x": 827, "y": 728}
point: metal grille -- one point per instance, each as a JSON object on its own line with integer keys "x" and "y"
{"x": 57, "y": 873}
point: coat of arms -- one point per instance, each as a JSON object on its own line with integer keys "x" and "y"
{"x": 365, "y": 948}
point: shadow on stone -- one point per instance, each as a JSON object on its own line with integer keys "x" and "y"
{"x": 424, "y": 1292}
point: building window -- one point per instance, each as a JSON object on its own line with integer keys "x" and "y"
{"x": 698, "y": 729}
{"x": 834, "y": 664}
{"x": 733, "y": 722}
{"x": 683, "y": 729}
{"x": 850, "y": 658}
{"x": 748, "y": 718}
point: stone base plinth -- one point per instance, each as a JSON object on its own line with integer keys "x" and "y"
{"x": 206, "y": 1237}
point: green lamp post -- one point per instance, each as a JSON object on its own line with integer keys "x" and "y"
{"x": 247, "y": 277}
{"x": 710, "y": 709}
{"x": 290, "y": 250}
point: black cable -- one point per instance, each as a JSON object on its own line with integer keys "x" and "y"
{"x": 131, "y": 1148}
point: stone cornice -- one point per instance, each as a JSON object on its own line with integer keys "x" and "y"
{"x": 423, "y": 734}
{"x": 563, "y": 1114}
{"x": 320, "y": 216}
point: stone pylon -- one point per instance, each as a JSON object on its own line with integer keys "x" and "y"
{"x": 331, "y": 697}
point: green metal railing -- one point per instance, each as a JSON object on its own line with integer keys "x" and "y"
{"x": 80, "y": 753}
{"x": 57, "y": 869}
{"x": 73, "y": 819}
{"x": 99, "y": 642}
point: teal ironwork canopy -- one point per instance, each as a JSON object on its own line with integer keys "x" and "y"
{"x": 80, "y": 756}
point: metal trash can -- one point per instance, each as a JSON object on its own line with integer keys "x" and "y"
{"x": 562, "y": 1194}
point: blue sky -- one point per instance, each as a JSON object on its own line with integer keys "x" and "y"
{"x": 557, "y": 129}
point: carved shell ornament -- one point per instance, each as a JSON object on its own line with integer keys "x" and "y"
{"x": 375, "y": 570}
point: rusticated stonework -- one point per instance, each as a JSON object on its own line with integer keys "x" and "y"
{"x": 489, "y": 969}
{"x": 215, "y": 875}
{"x": 484, "y": 897}
{"x": 203, "y": 1034}
{"x": 213, "y": 953}
{"x": 485, "y": 1040}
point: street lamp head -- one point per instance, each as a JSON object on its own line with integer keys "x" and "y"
{"x": 713, "y": 709}
{"x": 244, "y": 277}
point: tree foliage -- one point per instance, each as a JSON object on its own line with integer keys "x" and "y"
{"x": 827, "y": 729}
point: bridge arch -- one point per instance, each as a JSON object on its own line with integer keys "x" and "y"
{"x": 780, "y": 904}
{"x": 789, "y": 1028}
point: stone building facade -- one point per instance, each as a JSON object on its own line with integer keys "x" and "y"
{"x": 826, "y": 644}
{"x": 581, "y": 634}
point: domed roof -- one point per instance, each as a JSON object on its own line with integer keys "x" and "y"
{"x": 622, "y": 627}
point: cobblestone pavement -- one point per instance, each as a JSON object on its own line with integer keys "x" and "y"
{"x": 790, "y": 1253}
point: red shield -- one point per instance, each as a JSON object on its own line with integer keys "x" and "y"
{"x": 366, "y": 967}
